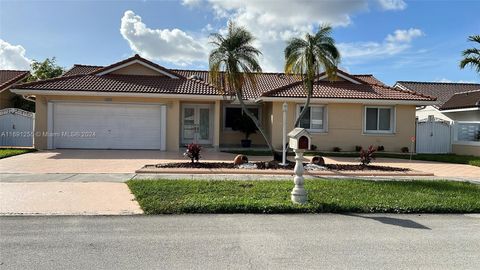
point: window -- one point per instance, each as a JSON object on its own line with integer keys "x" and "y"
{"x": 379, "y": 120}
{"x": 467, "y": 132}
{"x": 231, "y": 114}
{"x": 314, "y": 118}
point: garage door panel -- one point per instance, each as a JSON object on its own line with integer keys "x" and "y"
{"x": 115, "y": 126}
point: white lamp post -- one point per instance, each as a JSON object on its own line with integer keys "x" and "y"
{"x": 284, "y": 135}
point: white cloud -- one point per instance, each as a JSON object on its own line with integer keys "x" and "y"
{"x": 392, "y": 4}
{"x": 404, "y": 35}
{"x": 445, "y": 80}
{"x": 191, "y": 3}
{"x": 13, "y": 56}
{"x": 393, "y": 44}
{"x": 174, "y": 46}
{"x": 274, "y": 22}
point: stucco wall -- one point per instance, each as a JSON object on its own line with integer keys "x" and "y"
{"x": 173, "y": 116}
{"x": 345, "y": 128}
{"x": 430, "y": 110}
{"x": 136, "y": 69}
{"x": 464, "y": 116}
{"x": 473, "y": 150}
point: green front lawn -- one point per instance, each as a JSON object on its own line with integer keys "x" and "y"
{"x": 449, "y": 158}
{"x": 334, "y": 195}
{"x": 9, "y": 152}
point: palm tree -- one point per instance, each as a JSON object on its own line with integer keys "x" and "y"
{"x": 472, "y": 55}
{"x": 233, "y": 62}
{"x": 308, "y": 57}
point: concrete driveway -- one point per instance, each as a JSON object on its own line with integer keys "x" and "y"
{"x": 95, "y": 161}
{"x": 118, "y": 162}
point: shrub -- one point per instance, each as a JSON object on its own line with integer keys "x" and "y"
{"x": 358, "y": 148}
{"x": 380, "y": 148}
{"x": 404, "y": 149}
{"x": 337, "y": 149}
{"x": 193, "y": 152}
{"x": 366, "y": 156}
{"x": 313, "y": 147}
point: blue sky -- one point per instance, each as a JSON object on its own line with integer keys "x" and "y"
{"x": 393, "y": 39}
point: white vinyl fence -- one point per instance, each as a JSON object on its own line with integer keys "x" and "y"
{"x": 16, "y": 127}
{"x": 433, "y": 137}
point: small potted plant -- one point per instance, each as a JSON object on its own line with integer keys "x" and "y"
{"x": 244, "y": 124}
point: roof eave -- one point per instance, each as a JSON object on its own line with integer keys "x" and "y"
{"x": 47, "y": 92}
{"x": 350, "y": 100}
{"x": 460, "y": 110}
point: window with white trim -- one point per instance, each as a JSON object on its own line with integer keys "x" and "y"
{"x": 379, "y": 120}
{"x": 314, "y": 118}
{"x": 231, "y": 113}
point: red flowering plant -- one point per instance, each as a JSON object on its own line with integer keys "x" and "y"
{"x": 366, "y": 156}
{"x": 193, "y": 152}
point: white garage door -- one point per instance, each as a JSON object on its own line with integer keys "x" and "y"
{"x": 107, "y": 126}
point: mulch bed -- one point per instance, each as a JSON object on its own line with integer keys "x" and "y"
{"x": 274, "y": 165}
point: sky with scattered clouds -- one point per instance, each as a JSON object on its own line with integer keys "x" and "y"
{"x": 392, "y": 39}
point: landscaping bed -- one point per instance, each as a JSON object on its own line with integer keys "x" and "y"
{"x": 448, "y": 158}
{"x": 324, "y": 196}
{"x": 273, "y": 165}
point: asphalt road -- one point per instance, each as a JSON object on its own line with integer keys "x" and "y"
{"x": 241, "y": 242}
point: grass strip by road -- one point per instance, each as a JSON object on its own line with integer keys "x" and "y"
{"x": 448, "y": 158}
{"x": 325, "y": 196}
{"x": 10, "y": 152}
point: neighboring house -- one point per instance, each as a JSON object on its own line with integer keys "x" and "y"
{"x": 9, "y": 78}
{"x": 464, "y": 108}
{"x": 442, "y": 91}
{"x": 457, "y": 103}
{"x": 137, "y": 104}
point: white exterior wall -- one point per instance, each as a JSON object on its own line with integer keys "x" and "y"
{"x": 422, "y": 114}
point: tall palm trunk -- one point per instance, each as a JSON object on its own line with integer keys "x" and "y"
{"x": 255, "y": 121}
{"x": 307, "y": 103}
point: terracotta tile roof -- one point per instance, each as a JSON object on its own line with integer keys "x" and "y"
{"x": 368, "y": 78}
{"x": 123, "y": 84}
{"x": 470, "y": 99}
{"x": 196, "y": 82}
{"x": 81, "y": 69}
{"x": 138, "y": 58}
{"x": 347, "y": 90}
{"x": 10, "y": 77}
{"x": 442, "y": 91}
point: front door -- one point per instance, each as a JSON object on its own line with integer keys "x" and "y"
{"x": 197, "y": 124}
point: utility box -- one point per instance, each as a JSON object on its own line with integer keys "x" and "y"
{"x": 300, "y": 138}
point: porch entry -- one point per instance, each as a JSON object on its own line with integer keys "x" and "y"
{"x": 197, "y": 123}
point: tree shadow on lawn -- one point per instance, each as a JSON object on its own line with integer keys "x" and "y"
{"x": 405, "y": 223}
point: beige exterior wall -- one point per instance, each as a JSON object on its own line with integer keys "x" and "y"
{"x": 6, "y": 99}
{"x": 136, "y": 69}
{"x": 472, "y": 150}
{"x": 345, "y": 123}
{"x": 345, "y": 127}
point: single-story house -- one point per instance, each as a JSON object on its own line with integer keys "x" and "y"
{"x": 441, "y": 90}
{"x": 138, "y": 104}
{"x": 8, "y": 78}
{"x": 458, "y": 104}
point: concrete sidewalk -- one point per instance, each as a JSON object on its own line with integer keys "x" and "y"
{"x": 61, "y": 198}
